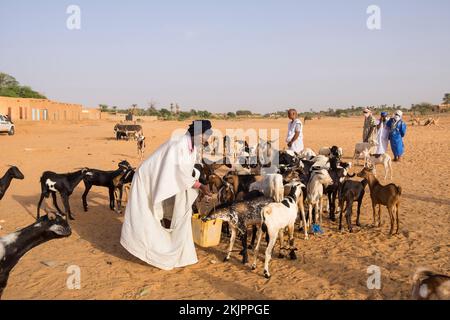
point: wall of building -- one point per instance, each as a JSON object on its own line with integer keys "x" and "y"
{"x": 39, "y": 109}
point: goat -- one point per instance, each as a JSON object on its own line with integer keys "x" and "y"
{"x": 241, "y": 183}
{"x": 332, "y": 152}
{"x": 359, "y": 149}
{"x": 5, "y": 181}
{"x": 52, "y": 182}
{"x": 319, "y": 180}
{"x": 388, "y": 195}
{"x": 105, "y": 179}
{"x": 276, "y": 217}
{"x": 271, "y": 186}
{"x": 338, "y": 172}
{"x": 383, "y": 159}
{"x": 307, "y": 154}
{"x": 15, "y": 245}
{"x": 428, "y": 285}
{"x": 140, "y": 138}
{"x": 122, "y": 185}
{"x": 350, "y": 192}
{"x": 240, "y": 215}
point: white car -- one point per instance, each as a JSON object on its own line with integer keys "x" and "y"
{"x": 6, "y": 125}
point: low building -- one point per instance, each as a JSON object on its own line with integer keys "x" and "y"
{"x": 39, "y": 109}
{"x": 91, "y": 114}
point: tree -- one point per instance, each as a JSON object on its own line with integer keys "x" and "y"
{"x": 10, "y": 87}
{"x": 243, "y": 113}
{"x": 446, "y": 99}
{"x": 103, "y": 107}
{"x": 7, "y": 81}
{"x": 231, "y": 115}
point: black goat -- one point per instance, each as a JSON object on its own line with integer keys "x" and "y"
{"x": 338, "y": 172}
{"x": 350, "y": 192}
{"x": 105, "y": 179}
{"x": 52, "y": 182}
{"x": 5, "y": 181}
{"x": 15, "y": 245}
{"x": 121, "y": 182}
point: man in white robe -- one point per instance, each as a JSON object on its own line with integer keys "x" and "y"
{"x": 164, "y": 187}
{"x": 382, "y": 134}
{"x": 294, "y": 137}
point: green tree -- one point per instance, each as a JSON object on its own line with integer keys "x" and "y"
{"x": 446, "y": 99}
{"x": 10, "y": 87}
{"x": 103, "y": 107}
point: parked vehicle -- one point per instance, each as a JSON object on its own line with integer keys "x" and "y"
{"x": 6, "y": 125}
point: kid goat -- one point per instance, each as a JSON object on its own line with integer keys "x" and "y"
{"x": 64, "y": 184}
{"x": 15, "y": 245}
{"x": 388, "y": 196}
{"x": 276, "y": 217}
{"x": 105, "y": 179}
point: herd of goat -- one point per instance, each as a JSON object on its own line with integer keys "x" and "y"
{"x": 270, "y": 198}
{"x": 255, "y": 196}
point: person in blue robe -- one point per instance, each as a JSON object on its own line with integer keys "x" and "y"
{"x": 397, "y": 131}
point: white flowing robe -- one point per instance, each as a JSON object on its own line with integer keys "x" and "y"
{"x": 382, "y": 138}
{"x": 162, "y": 187}
{"x": 293, "y": 127}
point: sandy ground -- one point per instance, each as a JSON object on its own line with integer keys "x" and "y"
{"x": 331, "y": 266}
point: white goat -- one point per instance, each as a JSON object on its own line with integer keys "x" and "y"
{"x": 383, "y": 159}
{"x": 319, "y": 180}
{"x": 359, "y": 149}
{"x": 271, "y": 185}
{"x": 307, "y": 153}
{"x": 276, "y": 217}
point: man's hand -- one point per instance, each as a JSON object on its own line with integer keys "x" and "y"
{"x": 205, "y": 190}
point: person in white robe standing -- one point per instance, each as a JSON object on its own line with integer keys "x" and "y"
{"x": 294, "y": 138}
{"x": 163, "y": 189}
{"x": 382, "y": 134}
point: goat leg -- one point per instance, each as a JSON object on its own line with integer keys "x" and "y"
{"x": 230, "y": 248}
{"x": 84, "y": 196}
{"x": 111, "y": 197}
{"x": 244, "y": 248}
{"x": 252, "y": 243}
{"x": 258, "y": 242}
{"x": 281, "y": 236}
{"x": 292, "y": 254}
{"x": 55, "y": 202}
{"x": 396, "y": 213}
{"x": 65, "y": 199}
{"x": 358, "y": 212}
{"x": 273, "y": 239}
{"x": 391, "y": 217}
{"x": 39, "y": 206}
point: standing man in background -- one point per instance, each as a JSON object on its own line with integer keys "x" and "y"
{"x": 370, "y": 129}
{"x": 294, "y": 138}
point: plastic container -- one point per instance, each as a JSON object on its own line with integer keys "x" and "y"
{"x": 206, "y": 233}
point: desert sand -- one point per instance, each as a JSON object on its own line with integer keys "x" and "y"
{"x": 329, "y": 266}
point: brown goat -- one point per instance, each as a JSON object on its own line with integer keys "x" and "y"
{"x": 388, "y": 196}
{"x": 428, "y": 285}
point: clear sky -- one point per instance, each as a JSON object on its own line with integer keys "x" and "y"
{"x": 230, "y": 54}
